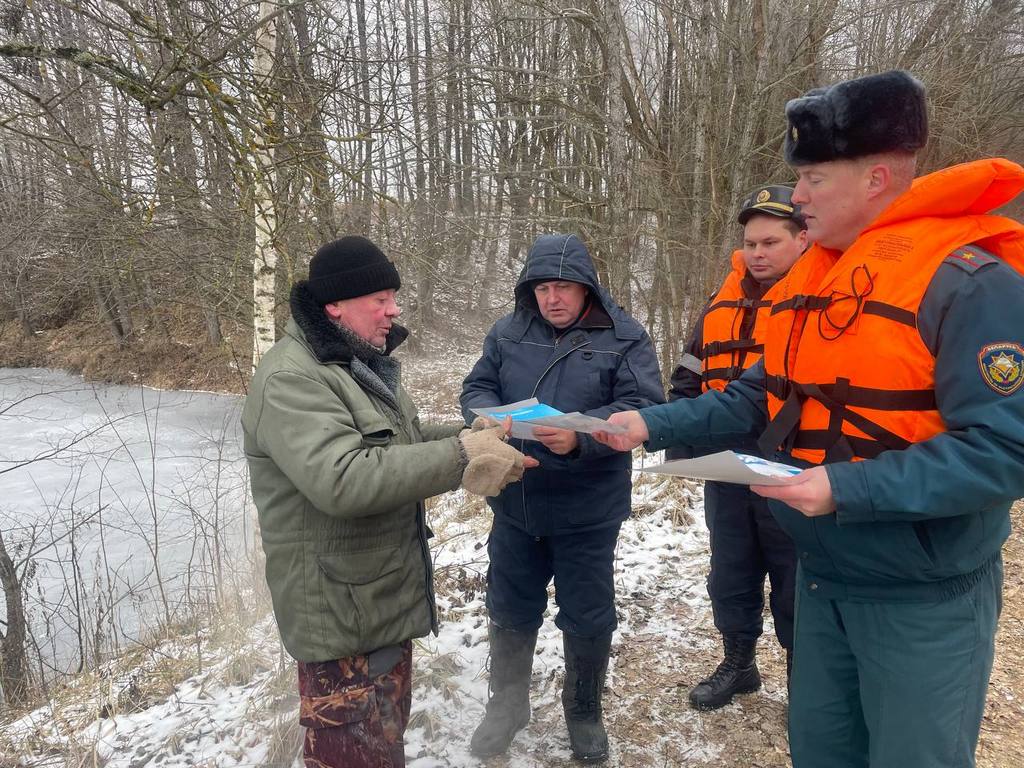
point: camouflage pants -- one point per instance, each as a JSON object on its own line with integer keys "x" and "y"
{"x": 351, "y": 719}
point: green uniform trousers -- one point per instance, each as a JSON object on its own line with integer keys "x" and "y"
{"x": 891, "y": 684}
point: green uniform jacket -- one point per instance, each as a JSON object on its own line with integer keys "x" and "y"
{"x": 338, "y": 476}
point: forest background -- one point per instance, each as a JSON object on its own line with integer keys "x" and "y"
{"x": 167, "y": 167}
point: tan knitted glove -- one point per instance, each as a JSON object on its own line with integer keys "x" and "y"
{"x": 491, "y": 463}
{"x": 483, "y": 422}
{"x": 480, "y": 422}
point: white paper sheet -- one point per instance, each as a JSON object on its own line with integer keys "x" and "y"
{"x": 727, "y": 467}
{"x": 579, "y": 422}
{"x": 523, "y": 427}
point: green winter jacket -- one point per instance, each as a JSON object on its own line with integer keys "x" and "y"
{"x": 339, "y": 471}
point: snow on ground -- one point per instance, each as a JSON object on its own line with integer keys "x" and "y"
{"x": 659, "y": 567}
{"x": 221, "y": 716}
{"x": 235, "y": 704}
{"x": 217, "y": 717}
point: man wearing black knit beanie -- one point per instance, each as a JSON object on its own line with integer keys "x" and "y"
{"x": 340, "y": 465}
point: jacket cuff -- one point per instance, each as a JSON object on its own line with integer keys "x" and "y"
{"x": 851, "y": 492}
{"x": 677, "y": 452}
{"x": 463, "y": 457}
{"x": 659, "y": 433}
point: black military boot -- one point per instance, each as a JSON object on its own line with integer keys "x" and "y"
{"x": 736, "y": 674}
{"x": 508, "y": 706}
{"x": 586, "y": 664}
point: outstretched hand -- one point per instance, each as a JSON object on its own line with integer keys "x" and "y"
{"x": 558, "y": 441}
{"x": 635, "y": 434}
{"x": 528, "y": 461}
{"x": 490, "y": 462}
{"x": 486, "y": 422}
{"x": 810, "y": 492}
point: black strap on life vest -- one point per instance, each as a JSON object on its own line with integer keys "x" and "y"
{"x": 848, "y": 447}
{"x": 837, "y": 398}
{"x": 801, "y": 301}
{"x": 860, "y": 397}
{"x": 732, "y": 345}
{"x": 817, "y": 303}
{"x": 730, "y": 373}
{"x": 890, "y": 312}
{"x": 743, "y": 303}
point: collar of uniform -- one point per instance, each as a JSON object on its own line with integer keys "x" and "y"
{"x": 594, "y": 316}
{"x": 754, "y": 288}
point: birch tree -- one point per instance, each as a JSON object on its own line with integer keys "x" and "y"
{"x": 265, "y": 256}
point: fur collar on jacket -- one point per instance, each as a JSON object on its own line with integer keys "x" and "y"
{"x": 324, "y": 337}
{"x": 374, "y": 369}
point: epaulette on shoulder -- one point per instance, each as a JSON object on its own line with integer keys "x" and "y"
{"x": 971, "y": 258}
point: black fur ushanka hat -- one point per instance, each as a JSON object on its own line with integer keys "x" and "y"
{"x": 877, "y": 113}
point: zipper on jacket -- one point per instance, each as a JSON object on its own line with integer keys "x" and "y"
{"x": 560, "y": 358}
{"x": 554, "y": 363}
{"x": 421, "y": 522}
{"x": 405, "y": 425}
{"x": 428, "y": 563}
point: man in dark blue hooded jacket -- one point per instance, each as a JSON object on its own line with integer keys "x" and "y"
{"x": 568, "y": 344}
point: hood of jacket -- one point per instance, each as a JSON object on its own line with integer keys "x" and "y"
{"x": 564, "y": 257}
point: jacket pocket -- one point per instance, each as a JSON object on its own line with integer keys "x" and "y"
{"x": 376, "y": 430}
{"x": 360, "y": 590}
{"x": 875, "y": 554}
{"x": 924, "y": 539}
{"x": 597, "y": 393}
{"x": 377, "y": 439}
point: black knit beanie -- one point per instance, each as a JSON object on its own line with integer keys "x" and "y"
{"x": 350, "y": 267}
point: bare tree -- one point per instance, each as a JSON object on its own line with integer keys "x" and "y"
{"x": 193, "y": 156}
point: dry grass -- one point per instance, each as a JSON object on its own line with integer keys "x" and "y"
{"x": 284, "y": 741}
{"x": 143, "y": 676}
{"x": 156, "y": 360}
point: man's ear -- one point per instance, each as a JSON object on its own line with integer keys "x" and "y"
{"x": 879, "y": 180}
{"x": 333, "y": 310}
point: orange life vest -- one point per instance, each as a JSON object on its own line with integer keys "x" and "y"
{"x": 728, "y": 345}
{"x": 847, "y": 373}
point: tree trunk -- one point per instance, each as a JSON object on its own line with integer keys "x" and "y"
{"x": 14, "y": 674}
{"x": 617, "y": 249}
{"x": 265, "y": 257}
{"x": 318, "y": 161}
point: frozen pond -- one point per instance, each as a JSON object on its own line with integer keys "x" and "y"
{"x": 129, "y": 502}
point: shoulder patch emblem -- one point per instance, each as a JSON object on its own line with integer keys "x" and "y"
{"x": 1002, "y": 366}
